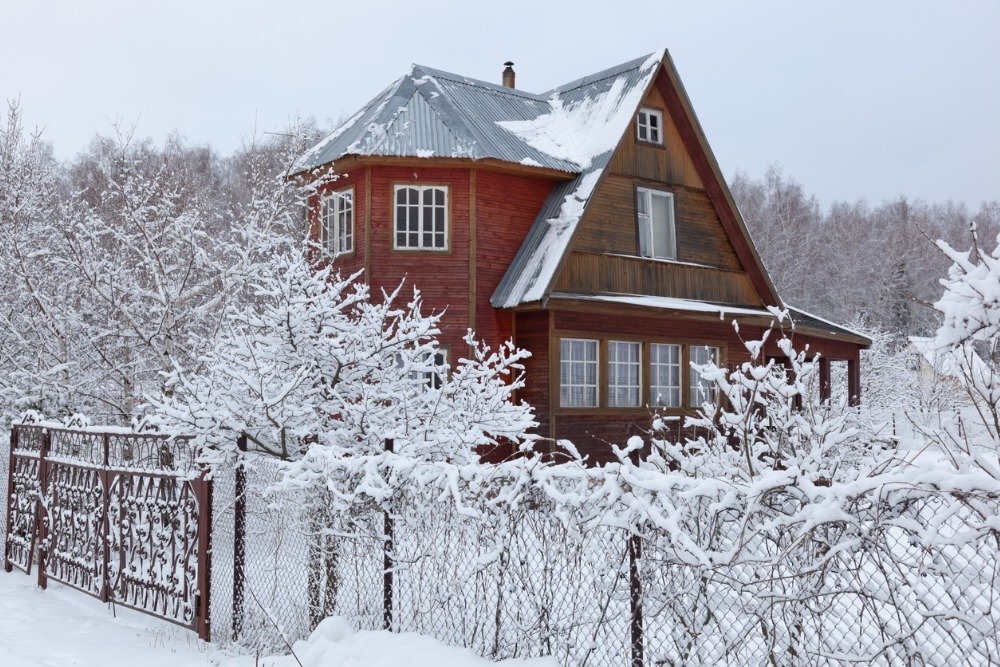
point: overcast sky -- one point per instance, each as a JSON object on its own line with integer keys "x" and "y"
{"x": 872, "y": 99}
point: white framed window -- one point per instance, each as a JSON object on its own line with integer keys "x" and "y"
{"x": 421, "y": 217}
{"x": 701, "y": 390}
{"x": 624, "y": 374}
{"x": 649, "y": 125}
{"x": 336, "y": 231}
{"x": 655, "y": 217}
{"x": 578, "y": 373}
{"x": 665, "y": 375}
{"x": 433, "y": 372}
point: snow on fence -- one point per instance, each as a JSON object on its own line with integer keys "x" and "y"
{"x": 118, "y": 515}
{"x": 905, "y": 578}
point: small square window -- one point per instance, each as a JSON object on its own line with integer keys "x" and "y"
{"x": 649, "y": 125}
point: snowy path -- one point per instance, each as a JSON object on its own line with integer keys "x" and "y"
{"x": 60, "y": 627}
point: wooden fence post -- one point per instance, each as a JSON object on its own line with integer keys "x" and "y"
{"x": 387, "y": 561}
{"x": 203, "y": 492}
{"x": 239, "y": 539}
{"x": 635, "y": 599}
{"x": 854, "y": 380}
{"x": 7, "y": 566}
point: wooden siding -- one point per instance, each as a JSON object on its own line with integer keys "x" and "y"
{"x": 532, "y": 333}
{"x": 441, "y": 276}
{"x": 590, "y": 273}
{"x": 609, "y": 225}
{"x": 668, "y": 163}
{"x": 605, "y": 248}
{"x": 506, "y": 207}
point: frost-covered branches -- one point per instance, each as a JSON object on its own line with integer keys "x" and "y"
{"x": 766, "y": 415}
{"x": 968, "y": 341}
{"x": 314, "y": 360}
{"x": 120, "y": 267}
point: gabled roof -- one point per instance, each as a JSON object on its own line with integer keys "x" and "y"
{"x": 573, "y": 128}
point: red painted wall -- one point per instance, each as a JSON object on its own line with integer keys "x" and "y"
{"x": 506, "y": 207}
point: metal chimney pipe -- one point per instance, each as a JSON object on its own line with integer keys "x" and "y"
{"x": 508, "y": 75}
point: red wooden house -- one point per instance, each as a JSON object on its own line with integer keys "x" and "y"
{"x": 591, "y": 223}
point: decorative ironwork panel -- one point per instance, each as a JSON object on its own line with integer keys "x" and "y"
{"x": 121, "y": 516}
{"x": 74, "y": 546}
{"x": 22, "y": 510}
{"x": 153, "y": 546}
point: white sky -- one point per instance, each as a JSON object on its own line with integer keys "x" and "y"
{"x": 870, "y": 99}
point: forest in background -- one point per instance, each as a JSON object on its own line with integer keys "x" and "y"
{"x": 857, "y": 262}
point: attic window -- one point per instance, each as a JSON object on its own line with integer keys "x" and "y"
{"x": 421, "y": 217}
{"x": 655, "y": 217}
{"x": 649, "y": 125}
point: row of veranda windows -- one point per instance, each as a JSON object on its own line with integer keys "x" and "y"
{"x": 626, "y": 372}
{"x": 420, "y": 220}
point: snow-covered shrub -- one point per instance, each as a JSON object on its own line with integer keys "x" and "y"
{"x": 315, "y": 367}
{"x": 764, "y": 415}
{"x": 969, "y": 339}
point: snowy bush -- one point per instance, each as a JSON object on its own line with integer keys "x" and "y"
{"x": 315, "y": 368}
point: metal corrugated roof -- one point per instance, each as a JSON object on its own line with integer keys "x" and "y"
{"x": 430, "y": 113}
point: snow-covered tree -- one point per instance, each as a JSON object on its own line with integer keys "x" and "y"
{"x": 314, "y": 367}
{"x": 970, "y": 337}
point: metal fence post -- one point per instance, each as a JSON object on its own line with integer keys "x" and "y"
{"x": 387, "y": 564}
{"x": 239, "y": 539}
{"x": 203, "y": 491}
{"x": 635, "y": 598}
{"x": 41, "y": 514}
{"x": 7, "y": 566}
{"x": 105, "y": 476}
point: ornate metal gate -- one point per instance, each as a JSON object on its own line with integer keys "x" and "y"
{"x": 121, "y": 516}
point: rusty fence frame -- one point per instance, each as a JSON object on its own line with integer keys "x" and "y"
{"x": 194, "y": 488}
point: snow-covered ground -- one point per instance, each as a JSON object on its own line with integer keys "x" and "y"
{"x": 60, "y": 627}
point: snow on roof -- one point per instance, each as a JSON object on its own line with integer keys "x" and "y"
{"x": 949, "y": 362}
{"x": 807, "y": 318}
{"x": 587, "y": 119}
{"x": 666, "y": 303}
{"x": 430, "y": 113}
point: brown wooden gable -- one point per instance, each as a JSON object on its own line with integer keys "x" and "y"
{"x": 716, "y": 261}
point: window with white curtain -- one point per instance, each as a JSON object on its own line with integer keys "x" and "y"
{"x": 578, "y": 376}
{"x": 624, "y": 375}
{"x": 655, "y": 217}
{"x": 421, "y": 217}
{"x": 649, "y": 125}
{"x": 665, "y": 375}
{"x": 336, "y": 231}
{"x": 702, "y": 390}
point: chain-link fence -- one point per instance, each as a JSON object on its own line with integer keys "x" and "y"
{"x": 913, "y": 582}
